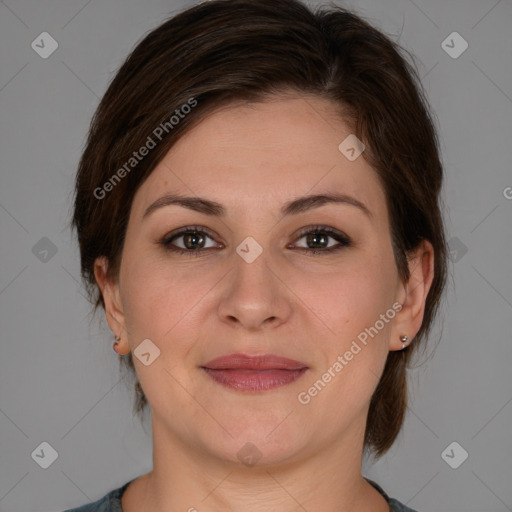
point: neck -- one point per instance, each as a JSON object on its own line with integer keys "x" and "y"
{"x": 185, "y": 477}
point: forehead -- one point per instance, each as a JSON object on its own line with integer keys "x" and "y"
{"x": 263, "y": 154}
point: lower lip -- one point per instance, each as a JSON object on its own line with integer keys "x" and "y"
{"x": 254, "y": 380}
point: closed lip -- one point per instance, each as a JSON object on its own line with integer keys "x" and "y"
{"x": 246, "y": 362}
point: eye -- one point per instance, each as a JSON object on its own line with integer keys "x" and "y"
{"x": 193, "y": 240}
{"x": 318, "y": 236}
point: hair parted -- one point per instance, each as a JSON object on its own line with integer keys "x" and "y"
{"x": 225, "y": 51}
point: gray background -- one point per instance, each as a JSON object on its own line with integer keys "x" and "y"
{"x": 59, "y": 378}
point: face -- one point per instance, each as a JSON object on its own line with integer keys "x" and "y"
{"x": 258, "y": 280}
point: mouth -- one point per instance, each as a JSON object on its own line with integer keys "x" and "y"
{"x": 254, "y": 373}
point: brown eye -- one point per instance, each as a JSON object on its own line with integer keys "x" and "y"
{"x": 191, "y": 240}
{"x": 194, "y": 238}
{"x": 318, "y": 237}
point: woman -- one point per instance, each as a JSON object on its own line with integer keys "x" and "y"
{"x": 257, "y": 210}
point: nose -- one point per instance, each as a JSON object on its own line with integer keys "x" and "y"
{"x": 254, "y": 295}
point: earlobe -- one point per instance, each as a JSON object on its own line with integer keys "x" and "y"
{"x": 117, "y": 348}
{"x": 405, "y": 341}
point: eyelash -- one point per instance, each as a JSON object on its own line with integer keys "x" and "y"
{"x": 343, "y": 240}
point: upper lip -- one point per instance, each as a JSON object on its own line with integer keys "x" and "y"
{"x": 246, "y": 362}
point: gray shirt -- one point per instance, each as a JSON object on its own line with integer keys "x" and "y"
{"x": 111, "y": 502}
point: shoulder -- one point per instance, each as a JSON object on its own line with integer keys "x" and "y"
{"x": 111, "y": 502}
{"x": 394, "y": 505}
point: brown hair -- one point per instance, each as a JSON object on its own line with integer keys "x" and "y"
{"x": 223, "y": 51}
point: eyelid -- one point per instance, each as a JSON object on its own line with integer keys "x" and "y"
{"x": 321, "y": 228}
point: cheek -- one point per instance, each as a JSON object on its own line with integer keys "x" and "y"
{"x": 161, "y": 298}
{"x": 354, "y": 298}
{"x": 351, "y": 303}
{"x": 147, "y": 295}
{"x": 354, "y": 351}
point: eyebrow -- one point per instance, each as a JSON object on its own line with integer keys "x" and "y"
{"x": 293, "y": 207}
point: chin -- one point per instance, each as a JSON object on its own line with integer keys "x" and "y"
{"x": 257, "y": 445}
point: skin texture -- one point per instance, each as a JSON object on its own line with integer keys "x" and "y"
{"x": 252, "y": 158}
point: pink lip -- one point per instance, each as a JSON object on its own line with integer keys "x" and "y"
{"x": 245, "y": 362}
{"x": 254, "y": 373}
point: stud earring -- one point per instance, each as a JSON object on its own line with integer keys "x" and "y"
{"x": 404, "y": 340}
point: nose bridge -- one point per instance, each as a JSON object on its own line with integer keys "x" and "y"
{"x": 255, "y": 294}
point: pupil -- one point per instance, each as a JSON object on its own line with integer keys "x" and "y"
{"x": 313, "y": 236}
{"x": 194, "y": 238}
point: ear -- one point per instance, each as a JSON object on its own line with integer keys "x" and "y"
{"x": 413, "y": 294}
{"x": 113, "y": 305}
